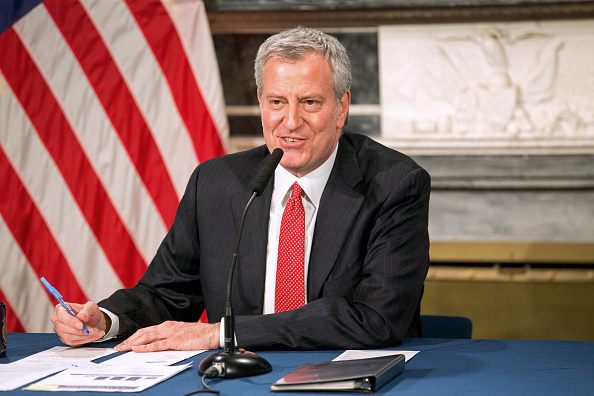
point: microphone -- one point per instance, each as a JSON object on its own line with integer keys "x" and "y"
{"x": 267, "y": 172}
{"x": 231, "y": 362}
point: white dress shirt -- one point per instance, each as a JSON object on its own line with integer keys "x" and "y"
{"x": 313, "y": 185}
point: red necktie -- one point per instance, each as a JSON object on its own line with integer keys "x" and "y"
{"x": 290, "y": 283}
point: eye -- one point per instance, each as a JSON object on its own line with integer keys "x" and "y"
{"x": 312, "y": 104}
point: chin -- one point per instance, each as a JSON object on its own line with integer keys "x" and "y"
{"x": 291, "y": 166}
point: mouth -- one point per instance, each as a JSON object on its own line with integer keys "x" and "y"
{"x": 290, "y": 140}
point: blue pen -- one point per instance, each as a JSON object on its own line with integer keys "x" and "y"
{"x": 58, "y": 297}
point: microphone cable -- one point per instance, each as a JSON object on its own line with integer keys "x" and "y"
{"x": 212, "y": 372}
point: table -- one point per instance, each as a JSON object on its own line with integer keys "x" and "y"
{"x": 443, "y": 367}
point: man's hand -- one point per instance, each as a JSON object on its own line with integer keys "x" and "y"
{"x": 70, "y": 328}
{"x": 180, "y": 336}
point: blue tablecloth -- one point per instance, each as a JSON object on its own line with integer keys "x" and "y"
{"x": 443, "y": 366}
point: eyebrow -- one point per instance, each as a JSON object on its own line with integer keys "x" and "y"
{"x": 309, "y": 97}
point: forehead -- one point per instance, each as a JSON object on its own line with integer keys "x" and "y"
{"x": 312, "y": 68}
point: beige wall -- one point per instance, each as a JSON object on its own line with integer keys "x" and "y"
{"x": 516, "y": 310}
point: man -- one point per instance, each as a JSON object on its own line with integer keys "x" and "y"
{"x": 363, "y": 257}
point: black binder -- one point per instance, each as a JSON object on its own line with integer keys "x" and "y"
{"x": 361, "y": 375}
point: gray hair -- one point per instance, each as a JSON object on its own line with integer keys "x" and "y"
{"x": 295, "y": 43}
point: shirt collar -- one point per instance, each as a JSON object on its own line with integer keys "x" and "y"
{"x": 312, "y": 184}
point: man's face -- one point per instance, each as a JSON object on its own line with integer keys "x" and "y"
{"x": 300, "y": 114}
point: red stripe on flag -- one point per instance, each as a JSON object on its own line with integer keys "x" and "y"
{"x": 57, "y": 135}
{"x": 158, "y": 28}
{"x": 24, "y": 220}
{"x": 112, "y": 91}
{"x": 13, "y": 324}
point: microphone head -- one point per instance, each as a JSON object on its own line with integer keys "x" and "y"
{"x": 267, "y": 172}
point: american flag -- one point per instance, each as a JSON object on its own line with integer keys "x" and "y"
{"x": 106, "y": 107}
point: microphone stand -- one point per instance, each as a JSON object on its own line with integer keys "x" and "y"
{"x": 231, "y": 362}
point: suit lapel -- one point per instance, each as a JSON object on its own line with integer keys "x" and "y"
{"x": 339, "y": 206}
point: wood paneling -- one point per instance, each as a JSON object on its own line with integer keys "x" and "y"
{"x": 227, "y": 20}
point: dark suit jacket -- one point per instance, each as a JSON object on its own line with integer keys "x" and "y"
{"x": 368, "y": 262}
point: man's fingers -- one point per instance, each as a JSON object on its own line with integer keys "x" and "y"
{"x": 75, "y": 337}
{"x": 139, "y": 338}
{"x": 70, "y": 328}
{"x": 173, "y": 335}
{"x": 149, "y": 339}
{"x": 161, "y": 345}
{"x": 88, "y": 309}
{"x": 63, "y": 321}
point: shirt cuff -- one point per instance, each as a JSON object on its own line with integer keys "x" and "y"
{"x": 222, "y": 334}
{"x": 115, "y": 325}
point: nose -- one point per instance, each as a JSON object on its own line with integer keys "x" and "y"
{"x": 293, "y": 118}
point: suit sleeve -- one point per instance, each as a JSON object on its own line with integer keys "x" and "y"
{"x": 372, "y": 298}
{"x": 170, "y": 288}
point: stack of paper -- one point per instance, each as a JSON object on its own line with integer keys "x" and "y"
{"x": 42, "y": 364}
{"x": 129, "y": 372}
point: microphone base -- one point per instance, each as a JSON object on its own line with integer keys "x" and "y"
{"x": 237, "y": 364}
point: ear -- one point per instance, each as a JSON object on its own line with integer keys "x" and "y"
{"x": 343, "y": 109}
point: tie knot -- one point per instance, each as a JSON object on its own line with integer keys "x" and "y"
{"x": 296, "y": 191}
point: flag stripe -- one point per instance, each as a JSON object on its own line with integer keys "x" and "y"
{"x": 13, "y": 204}
{"x": 113, "y": 92}
{"x": 55, "y": 132}
{"x": 156, "y": 25}
{"x": 11, "y": 316}
{"x": 26, "y": 311}
{"x": 154, "y": 100}
{"x": 96, "y": 135}
{"x": 48, "y": 190}
{"x": 191, "y": 22}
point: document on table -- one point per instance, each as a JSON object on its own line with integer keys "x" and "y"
{"x": 107, "y": 378}
{"x": 13, "y": 376}
{"x": 42, "y": 364}
{"x": 129, "y": 372}
{"x": 353, "y": 354}
{"x": 164, "y": 358}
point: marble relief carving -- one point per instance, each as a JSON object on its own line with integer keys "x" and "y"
{"x": 507, "y": 84}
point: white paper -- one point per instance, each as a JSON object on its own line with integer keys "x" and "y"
{"x": 42, "y": 364}
{"x": 102, "y": 378}
{"x": 68, "y": 355}
{"x": 164, "y": 358}
{"x": 13, "y": 376}
{"x": 353, "y": 354}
